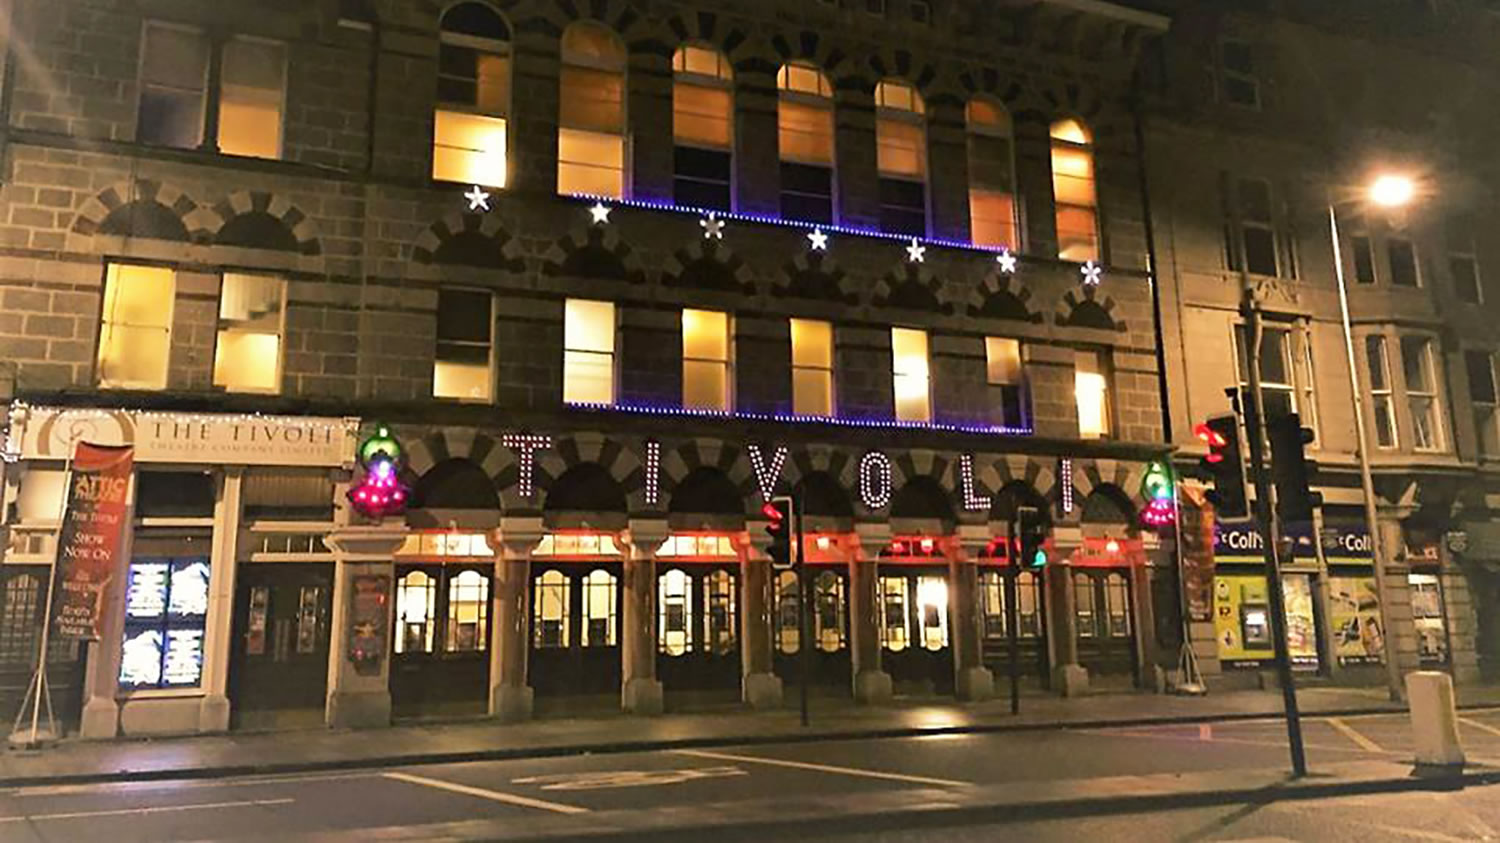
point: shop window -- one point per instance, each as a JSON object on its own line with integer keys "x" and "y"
{"x": 697, "y": 545}
{"x": 1378, "y": 369}
{"x": 812, "y": 367}
{"x": 909, "y": 363}
{"x": 1238, "y": 81}
{"x": 1403, "y": 258}
{"x": 1028, "y": 593}
{"x": 1427, "y": 617}
{"x": 1463, "y": 262}
{"x": 1482, "y": 394}
{"x": 252, "y": 314}
{"x": 174, "y": 81}
{"x": 1354, "y": 616}
{"x": 829, "y": 622}
{"x": 992, "y": 193}
{"x": 1074, "y": 193}
{"x": 703, "y": 128}
{"x": 166, "y": 609}
{"x": 464, "y": 363}
{"x": 601, "y": 597}
{"x": 675, "y": 612}
{"x": 550, "y": 603}
{"x": 788, "y": 617}
{"x": 1362, "y": 255}
{"x": 135, "y": 331}
{"x": 40, "y": 500}
{"x": 589, "y": 352}
{"x": 1084, "y": 609}
{"x": 804, "y": 117}
{"x": 1117, "y": 605}
{"x": 895, "y": 630}
{"x": 577, "y": 544}
{"x": 932, "y": 603}
{"x": 706, "y": 369}
{"x": 591, "y": 129}
{"x": 901, "y": 157}
{"x": 416, "y": 612}
{"x": 1007, "y": 381}
{"x": 1420, "y": 371}
{"x": 1091, "y": 390}
{"x": 719, "y": 601}
{"x": 251, "y": 98}
{"x": 470, "y": 124}
{"x": 992, "y": 603}
{"x": 468, "y": 612}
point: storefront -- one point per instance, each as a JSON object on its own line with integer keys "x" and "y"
{"x": 575, "y": 619}
{"x": 1242, "y": 603}
{"x": 828, "y": 584}
{"x": 440, "y": 658}
{"x": 1355, "y": 625}
{"x": 995, "y": 574}
{"x": 1429, "y": 609}
{"x": 914, "y": 637}
{"x": 698, "y": 617}
{"x": 1103, "y": 577}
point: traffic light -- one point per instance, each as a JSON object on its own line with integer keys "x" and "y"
{"x": 778, "y": 512}
{"x": 1031, "y": 532}
{"x": 1223, "y": 465}
{"x": 1291, "y": 470}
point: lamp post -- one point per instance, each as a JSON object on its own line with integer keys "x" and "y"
{"x": 1389, "y": 191}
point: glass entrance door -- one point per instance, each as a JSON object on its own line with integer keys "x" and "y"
{"x": 914, "y": 631}
{"x": 278, "y": 669}
{"x": 1031, "y": 628}
{"x": 441, "y": 660}
{"x": 830, "y": 628}
{"x": 697, "y": 633}
{"x": 575, "y": 628}
{"x": 1105, "y": 622}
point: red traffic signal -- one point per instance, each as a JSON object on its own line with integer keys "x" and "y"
{"x": 778, "y": 513}
{"x": 1213, "y": 439}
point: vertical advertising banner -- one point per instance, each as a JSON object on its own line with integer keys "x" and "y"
{"x": 88, "y": 567}
{"x": 1197, "y": 530}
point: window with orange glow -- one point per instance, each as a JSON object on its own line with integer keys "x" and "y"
{"x": 703, "y": 127}
{"x": 251, "y": 98}
{"x": 1073, "y": 191}
{"x": 591, "y": 116}
{"x": 252, "y": 313}
{"x": 812, "y": 367}
{"x": 901, "y": 157}
{"x": 135, "y": 331}
{"x": 909, "y": 364}
{"x": 804, "y": 119}
{"x": 470, "y": 133}
{"x": 992, "y": 202}
{"x": 706, "y": 369}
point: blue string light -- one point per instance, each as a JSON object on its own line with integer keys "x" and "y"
{"x": 794, "y": 418}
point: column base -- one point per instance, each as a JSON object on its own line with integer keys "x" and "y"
{"x": 763, "y": 690}
{"x": 358, "y": 709}
{"x": 643, "y": 696}
{"x": 1070, "y": 680}
{"x": 510, "y": 704}
{"x": 873, "y": 687}
{"x": 100, "y": 719}
{"x": 974, "y": 684}
{"x": 213, "y": 713}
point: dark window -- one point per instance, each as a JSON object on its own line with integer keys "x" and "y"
{"x": 903, "y": 207}
{"x": 1240, "y": 84}
{"x": 875, "y": 7}
{"x": 702, "y": 177}
{"x": 921, "y": 11}
{"x": 463, "y": 326}
{"x": 174, "y": 494}
{"x": 1260, "y": 250}
{"x": 1481, "y": 377}
{"x": 806, "y": 192}
{"x": 1465, "y": 277}
{"x": 1364, "y": 259}
{"x": 1403, "y": 262}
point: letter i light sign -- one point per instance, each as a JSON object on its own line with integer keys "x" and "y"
{"x": 380, "y": 492}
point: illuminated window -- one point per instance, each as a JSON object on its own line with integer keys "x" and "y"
{"x": 1083, "y": 598}
{"x": 1483, "y": 395}
{"x": 463, "y": 366}
{"x": 706, "y": 370}
{"x": 591, "y": 128}
{"x": 703, "y": 127}
{"x": 470, "y": 128}
{"x": 251, "y": 98}
{"x": 252, "y": 312}
{"x": 1422, "y": 393}
{"x": 720, "y": 618}
{"x": 174, "y": 78}
{"x": 912, "y": 381}
{"x": 788, "y": 613}
{"x": 550, "y": 601}
{"x": 1378, "y": 368}
{"x": 416, "y": 612}
{"x": 901, "y": 157}
{"x": 992, "y": 195}
{"x": 804, "y": 117}
{"x": 1091, "y": 390}
{"x": 589, "y": 352}
{"x": 812, "y": 367}
{"x": 1007, "y": 380}
{"x": 166, "y": 612}
{"x": 468, "y": 613}
{"x": 895, "y": 626}
{"x": 135, "y": 332}
{"x": 1073, "y": 191}
{"x": 674, "y": 634}
{"x": 932, "y": 605}
{"x": 1117, "y": 605}
{"x": 601, "y": 598}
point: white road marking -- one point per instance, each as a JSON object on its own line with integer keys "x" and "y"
{"x": 1352, "y": 734}
{"x": 483, "y": 793}
{"x": 1159, "y": 736}
{"x": 160, "y": 809}
{"x": 177, "y": 784}
{"x": 822, "y": 768}
{"x": 607, "y": 779}
{"x": 1483, "y": 727}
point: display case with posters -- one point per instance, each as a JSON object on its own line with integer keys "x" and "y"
{"x": 1427, "y": 616}
{"x": 1242, "y": 620}
{"x": 1354, "y": 618}
{"x": 166, "y": 609}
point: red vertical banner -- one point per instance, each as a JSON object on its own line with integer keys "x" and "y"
{"x": 1196, "y": 525}
{"x": 89, "y": 561}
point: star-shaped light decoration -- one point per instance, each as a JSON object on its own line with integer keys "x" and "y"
{"x": 818, "y": 239}
{"x": 916, "y": 252}
{"x": 713, "y": 227}
{"x": 599, "y": 213}
{"x": 1007, "y": 262}
{"x": 1091, "y": 273}
{"x": 478, "y": 199}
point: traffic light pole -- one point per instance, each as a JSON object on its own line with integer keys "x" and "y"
{"x": 804, "y": 615}
{"x": 1265, "y": 511}
{"x": 1015, "y": 547}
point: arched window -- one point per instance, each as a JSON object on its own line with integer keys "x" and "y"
{"x": 992, "y": 192}
{"x": 901, "y": 157}
{"x": 702, "y": 128}
{"x": 804, "y": 121}
{"x": 591, "y": 114}
{"x": 1073, "y": 191}
{"x": 469, "y": 137}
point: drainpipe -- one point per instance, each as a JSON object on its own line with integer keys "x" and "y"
{"x": 1150, "y": 232}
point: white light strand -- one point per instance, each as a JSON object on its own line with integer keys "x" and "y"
{"x": 973, "y": 502}
{"x": 875, "y": 480}
{"x": 653, "y": 472}
{"x": 767, "y": 475}
{"x": 525, "y": 446}
{"x": 1065, "y": 477}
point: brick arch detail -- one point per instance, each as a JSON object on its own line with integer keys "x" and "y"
{"x": 1081, "y": 293}
{"x": 621, "y": 16}
{"x": 1091, "y": 475}
{"x": 199, "y": 224}
{"x": 509, "y": 254}
{"x": 827, "y": 270}
{"x": 296, "y": 221}
{"x": 714, "y": 252}
{"x": 601, "y": 237}
{"x": 910, "y": 274}
{"x": 711, "y": 29}
{"x": 995, "y": 283}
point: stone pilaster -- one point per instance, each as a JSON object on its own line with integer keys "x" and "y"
{"x": 973, "y": 682}
{"x": 510, "y": 693}
{"x": 871, "y": 683}
{"x": 359, "y": 672}
{"x": 761, "y": 687}
{"x": 640, "y": 691}
{"x": 1069, "y": 677}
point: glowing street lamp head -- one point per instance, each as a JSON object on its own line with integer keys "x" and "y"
{"x": 1392, "y": 191}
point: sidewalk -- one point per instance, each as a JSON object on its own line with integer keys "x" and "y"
{"x": 211, "y": 756}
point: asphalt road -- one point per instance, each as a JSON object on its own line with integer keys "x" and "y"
{"x": 832, "y": 785}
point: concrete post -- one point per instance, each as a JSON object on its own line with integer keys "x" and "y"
{"x": 513, "y": 542}
{"x": 213, "y": 709}
{"x": 1068, "y": 676}
{"x": 359, "y": 689}
{"x": 1434, "y": 719}
{"x": 761, "y": 687}
{"x": 640, "y": 691}
{"x": 871, "y": 684}
{"x": 972, "y": 681}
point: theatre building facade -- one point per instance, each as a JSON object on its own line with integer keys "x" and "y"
{"x": 607, "y": 282}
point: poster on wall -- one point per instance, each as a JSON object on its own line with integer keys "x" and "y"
{"x": 166, "y": 613}
{"x": 1242, "y": 620}
{"x": 88, "y": 543}
{"x": 368, "y": 618}
{"x": 1354, "y": 617}
{"x": 1197, "y": 526}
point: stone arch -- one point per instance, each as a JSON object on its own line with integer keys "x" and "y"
{"x": 821, "y": 51}
{"x": 1007, "y": 89}
{"x": 1091, "y": 475}
{"x": 1002, "y": 296}
{"x": 1064, "y": 99}
{"x": 728, "y": 459}
{"x": 923, "y": 500}
{"x": 586, "y": 495}
{"x": 888, "y": 63}
{"x": 1015, "y": 494}
{"x": 446, "y": 443}
{"x": 262, "y": 220}
{"x": 814, "y": 275}
{"x": 455, "y": 492}
{"x": 1037, "y": 475}
{"x": 621, "y": 16}
{"x": 726, "y": 35}
{"x": 1107, "y": 506}
{"x": 708, "y": 265}
{"x": 569, "y": 451}
{"x": 706, "y": 499}
{"x": 1082, "y": 307}
{"x": 475, "y": 240}
{"x": 597, "y": 253}
{"x": 911, "y": 287}
{"x": 824, "y": 497}
{"x": 142, "y": 208}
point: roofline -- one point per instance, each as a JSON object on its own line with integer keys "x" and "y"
{"x": 1150, "y": 20}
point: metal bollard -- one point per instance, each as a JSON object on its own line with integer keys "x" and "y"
{"x": 1434, "y": 719}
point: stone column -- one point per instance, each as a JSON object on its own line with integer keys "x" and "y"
{"x": 1395, "y": 598}
{"x": 218, "y": 646}
{"x": 359, "y": 647}
{"x": 871, "y": 684}
{"x": 1151, "y": 675}
{"x": 513, "y": 542}
{"x": 761, "y": 687}
{"x": 973, "y": 682}
{"x": 1068, "y": 676}
{"x": 640, "y": 691}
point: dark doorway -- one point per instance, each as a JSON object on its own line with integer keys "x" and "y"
{"x": 278, "y": 669}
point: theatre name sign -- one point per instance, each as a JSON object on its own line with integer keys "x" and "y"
{"x": 49, "y": 433}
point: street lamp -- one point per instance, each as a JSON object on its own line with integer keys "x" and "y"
{"x": 1386, "y": 191}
